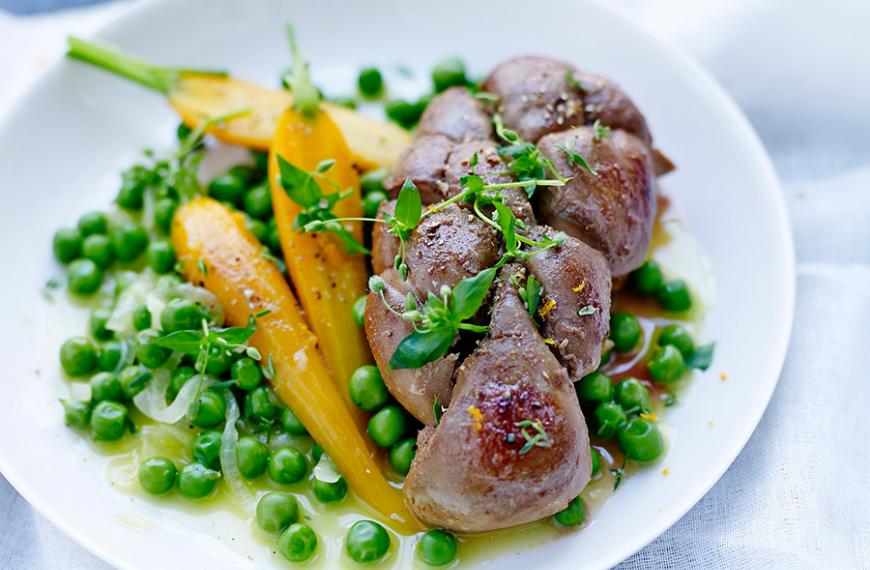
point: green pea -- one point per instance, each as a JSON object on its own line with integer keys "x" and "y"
{"x": 677, "y": 336}
{"x": 402, "y": 455}
{"x": 180, "y": 377}
{"x": 161, "y": 256}
{"x": 261, "y": 404}
{"x": 646, "y": 279}
{"x": 329, "y": 492}
{"x": 573, "y": 514}
{"x": 157, "y": 475}
{"x": 596, "y": 461}
{"x": 609, "y": 417}
{"x": 67, "y": 244}
{"x": 98, "y": 248}
{"x": 246, "y": 373}
{"x": 367, "y": 388}
{"x": 261, "y": 161}
{"x": 405, "y": 113}
{"x": 666, "y": 364}
{"x": 605, "y": 356}
{"x": 297, "y": 543}
{"x": 207, "y": 448}
{"x": 129, "y": 241}
{"x": 219, "y": 361}
{"x": 84, "y": 277}
{"x": 366, "y": 541}
{"x": 276, "y": 511}
{"x": 109, "y": 420}
{"x": 149, "y": 354}
{"x": 208, "y": 410}
{"x": 164, "y": 210}
{"x": 182, "y": 131}
{"x": 78, "y": 356}
{"x": 373, "y": 180}
{"x": 133, "y": 380}
{"x": 196, "y": 481}
{"x": 641, "y": 440}
{"x": 97, "y": 324}
{"x": 273, "y": 237}
{"x": 257, "y": 228}
{"x": 437, "y": 548}
{"x": 624, "y": 331}
{"x": 387, "y": 426}
{"x": 106, "y": 386}
{"x": 316, "y": 452}
{"x": 181, "y": 314}
{"x": 372, "y": 201}
{"x": 370, "y": 82}
{"x": 258, "y": 202}
{"x": 252, "y": 455}
{"x": 287, "y": 465}
{"x": 133, "y": 184}
{"x": 447, "y": 73}
{"x": 110, "y": 355}
{"x": 247, "y": 173}
{"x": 291, "y": 424}
{"x": 227, "y": 188}
{"x": 674, "y": 296}
{"x": 76, "y": 413}
{"x": 359, "y": 310}
{"x": 596, "y": 387}
{"x": 93, "y": 223}
{"x": 632, "y": 395}
{"x": 141, "y": 317}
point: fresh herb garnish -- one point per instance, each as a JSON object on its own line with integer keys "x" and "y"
{"x": 316, "y": 206}
{"x": 587, "y": 310}
{"x": 438, "y": 321}
{"x": 306, "y": 96}
{"x": 573, "y": 81}
{"x": 702, "y": 357}
{"x": 577, "y": 159}
{"x": 530, "y": 293}
{"x": 538, "y": 439}
{"x": 601, "y": 131}
{"x": 437, "y": 410}
{"x": 618, "y": 473}
{"x": 525, "y": 161}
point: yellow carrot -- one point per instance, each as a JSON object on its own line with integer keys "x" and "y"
{"x": 197, "y": 95}
{"x": 218, "y": 252}
{"x": 327, "y": 279}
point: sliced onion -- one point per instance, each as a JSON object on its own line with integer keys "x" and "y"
{"x": 152, "y": 400}
{"x": 326, "y": 471}
{"x": 130, "y": 298}
{"x": 239, "y": 491}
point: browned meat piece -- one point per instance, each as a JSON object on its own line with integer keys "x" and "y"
{"x": 575, "y": 302}
{"x": 424, "y": 162}
{"x": 457, "y": 115}
{"x": 385, "y": 246}
{"x": 605, "y": 101}
{"x": 448, "y": 246}
{"x": 415, "y": 389}
{"x": 475, "y": 471}
{"x": 535, "y": 96}
{"x": 612, "y": 211}
{"x": 492, "y": 169}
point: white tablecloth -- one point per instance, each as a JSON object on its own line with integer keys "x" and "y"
{"x": 797, "y": 497}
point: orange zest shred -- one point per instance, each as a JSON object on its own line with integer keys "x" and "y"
{"x": 666, "y": 471}
{"x": 580, "y": 287}
{"x": 650, "y": 417}
{"x": 550, "y": 341}
{"x": 476, "y": 417}
{"x": 547, "y": 307}
{"x": 723, "y": 376}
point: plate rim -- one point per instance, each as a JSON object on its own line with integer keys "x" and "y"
{"x": 726, "y": 103}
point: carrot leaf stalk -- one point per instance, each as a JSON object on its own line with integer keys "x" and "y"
{"x": 306, "y": 96}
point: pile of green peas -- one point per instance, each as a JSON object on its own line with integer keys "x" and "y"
{"x": 448, "y": 72}
{"x": 648, "y": 280}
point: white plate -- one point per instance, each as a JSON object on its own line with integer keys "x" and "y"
{"x": 64, "y": 144}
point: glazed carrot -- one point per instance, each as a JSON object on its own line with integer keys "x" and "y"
{"x": 327, "y": 279}
{"x": 206, "y": 235}
{"x": 197, "y": 95}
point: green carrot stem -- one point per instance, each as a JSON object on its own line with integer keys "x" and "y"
{"x": 159, "y": 78}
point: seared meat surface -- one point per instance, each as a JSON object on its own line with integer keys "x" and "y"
{"x": 576, "y": 302}
{"x": 414, "y": 388}
{"x": 457, "y": 115}
{"x": 424, "y": 163}
{"x": 536, "y": 96}
{"x": 612, "y": 210}
{"x": 475, "y": 471}
{"x": 606, "y": 102}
